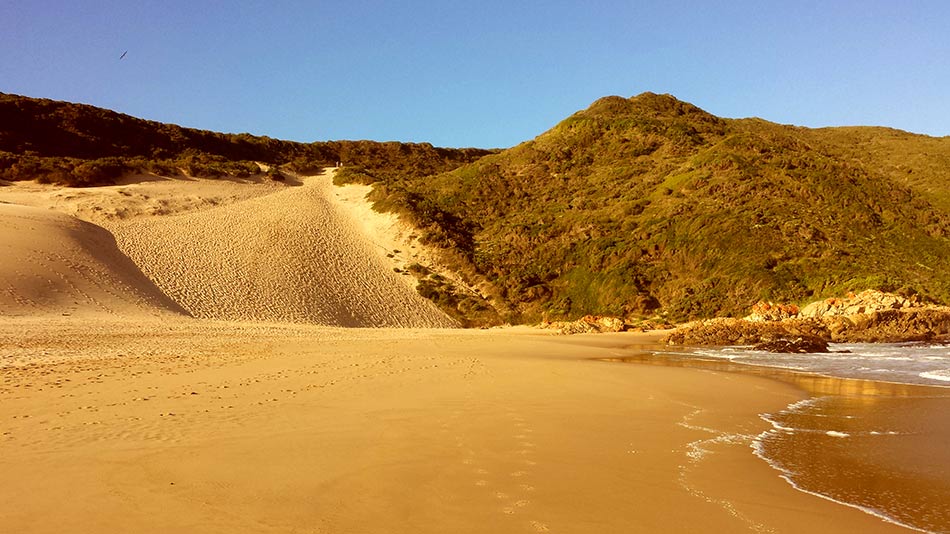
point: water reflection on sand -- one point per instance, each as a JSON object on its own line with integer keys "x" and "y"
{"x": 879, "y": 446}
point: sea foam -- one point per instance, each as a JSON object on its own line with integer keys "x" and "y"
{"x": 758, "y": 448}
{"x": 940, "y": 374}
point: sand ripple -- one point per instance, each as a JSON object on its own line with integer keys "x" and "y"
{"x": 288, "y": 256}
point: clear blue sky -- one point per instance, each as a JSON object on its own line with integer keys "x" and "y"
{"x": 488, "y": 73}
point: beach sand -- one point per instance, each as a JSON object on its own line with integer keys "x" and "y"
{"x": 180, "y": 394}
{"x": 200, "y": 426}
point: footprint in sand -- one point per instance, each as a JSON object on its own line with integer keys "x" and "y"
{"x": 515, "y": 506}
{"x": 540, "y": 527}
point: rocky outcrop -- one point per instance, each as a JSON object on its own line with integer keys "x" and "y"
{"x": 799, "y": 345}
{"x": 588, "y": 324}
{"x": 770, "y": 311}
{"x": 871, "y": 316}
{"x": 866, "y": 302}
{"x": 596, "y": 324}
{"x": 724, "y": 332}
{"x": 891, "y": 326}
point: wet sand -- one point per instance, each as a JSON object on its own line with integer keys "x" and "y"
{"x": 204, "y": 426}
{"x": 880, "y": 447}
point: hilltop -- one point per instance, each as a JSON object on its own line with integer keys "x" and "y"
{"x": 77, "y": 144}
{"x": 647, "y": 204}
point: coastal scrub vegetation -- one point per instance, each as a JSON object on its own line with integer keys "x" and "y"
{"x": 81, "y": 145}
{"x": 649, "y": 205}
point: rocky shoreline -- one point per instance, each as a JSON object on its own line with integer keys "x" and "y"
{"x": 869, "y": 317}
{"x": 599, "y": 324}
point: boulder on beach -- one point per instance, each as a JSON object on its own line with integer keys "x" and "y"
{"x": 799, "y": 345}
{"x": 726, "y": 331}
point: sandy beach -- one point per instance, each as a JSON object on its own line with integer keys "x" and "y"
{"x": 194, "y": 426}
{"x": 211, "y": 381}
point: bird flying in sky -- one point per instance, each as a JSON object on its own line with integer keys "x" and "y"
{"x": 123, "y": 54}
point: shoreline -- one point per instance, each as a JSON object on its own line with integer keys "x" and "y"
{"x": 847, "y": 401}
{"x": 200, "y": 426}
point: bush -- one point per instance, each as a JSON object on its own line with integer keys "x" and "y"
{"x": 275, "y": 174}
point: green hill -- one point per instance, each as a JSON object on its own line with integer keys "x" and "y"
{"x": 649, "y": 204}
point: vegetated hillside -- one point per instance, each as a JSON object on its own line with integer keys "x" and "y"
{"x": 77, "y": 144}
{"x": 649, "y": 204}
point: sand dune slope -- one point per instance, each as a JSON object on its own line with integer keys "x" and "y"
{"x": 289, "y": 256}
{"x": 56, "y": 264}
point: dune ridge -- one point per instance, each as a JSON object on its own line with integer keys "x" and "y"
{"x": 57, "y": 264}
{"x": 291, "y": 256}
{"x": 234, "y": 250}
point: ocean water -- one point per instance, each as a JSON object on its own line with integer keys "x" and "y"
{"x": 873, "y": 434}
{"x": 906, "y": 363}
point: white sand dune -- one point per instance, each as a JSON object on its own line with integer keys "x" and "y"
{"x": 56, "y": 264}
{"x": 287, "y": 256}
{"x": 247, "y": 250}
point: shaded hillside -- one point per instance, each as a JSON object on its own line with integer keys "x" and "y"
{"x": 78, "y": 144}
{"x": 648, "y": 204}
{"x": 56, "y": 265}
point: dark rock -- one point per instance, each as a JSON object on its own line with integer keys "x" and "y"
{"x": 800, "y": 345}
{"x": 724, "y": 332}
